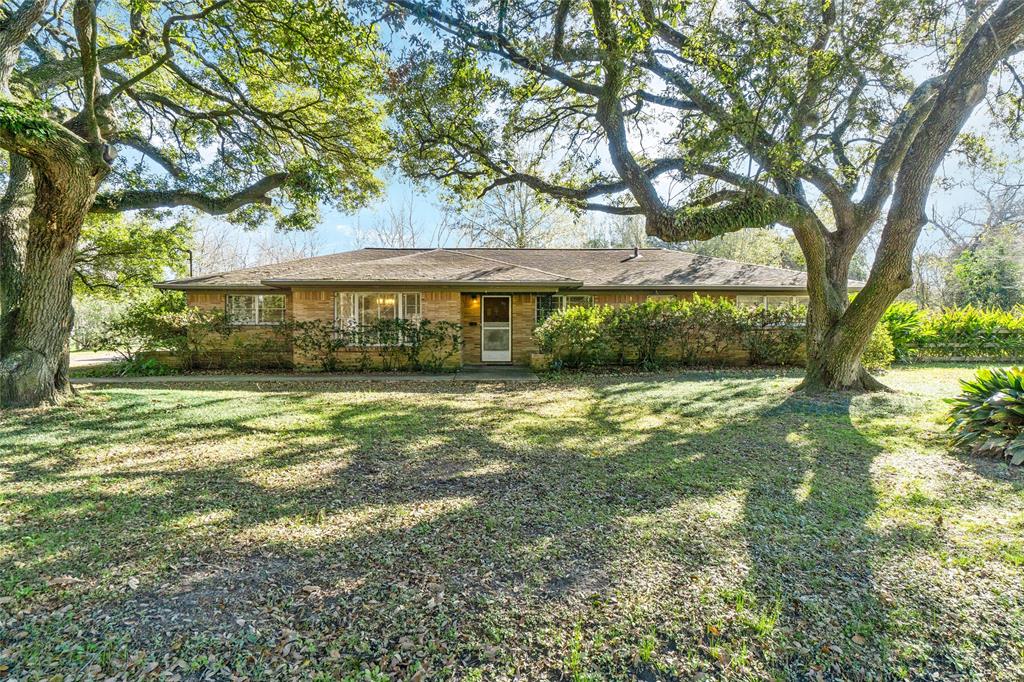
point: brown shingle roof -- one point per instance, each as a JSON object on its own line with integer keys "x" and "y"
{"x": 569, "y": 268}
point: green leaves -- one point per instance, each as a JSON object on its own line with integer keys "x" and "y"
{"x": 25, "y": 120}
{"x": 704, "y": 222}
{"x": 116, "y": 254}
{"x": 988, "y": 416}
{"x": 211, "y": 97}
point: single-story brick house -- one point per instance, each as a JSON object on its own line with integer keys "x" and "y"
{"x": 498, "y": 295}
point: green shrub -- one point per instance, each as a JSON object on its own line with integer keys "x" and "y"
{"x": 318, "y": 340}
{"x": 640, "y": 331}
{"x": 436, "y": 344}
{"x": 196, "y": 337}
{"x": 139, "y": 367}
{"x": 988, "y": 416}
{"x": 773, "y": 335}
{"x": 708, "y": 327}
{"x": 258, "y": 351}
{"x": 573, "y": 337}
{"x": 620, "y": 332}
{"x": 647, "y": 334}
{"x": 388, "y": 338}
{"x": 973, "y": 332}
{"x": 966, "y": 332}
{"x": 879, "y": 353}
{"x": 904, "y": 322}
{"x": 401, "y": 344}
{"x": 140, "y": 326}
{"x": 189, "y": 334}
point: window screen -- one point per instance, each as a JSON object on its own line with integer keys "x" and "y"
{"x": 241, "y": 309}
{"x": 547, "y": 305}
{"x": 255, "y": 308}
{"x": 270, "y": 309}
{"x": 367, "y": 307}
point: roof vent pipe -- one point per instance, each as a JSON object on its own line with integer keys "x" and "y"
{"x": 636, "y": 252}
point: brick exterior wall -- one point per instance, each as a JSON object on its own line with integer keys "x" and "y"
{"x": 318, "y": 304}
{"x": 470, "y": 311}
{"x": 523, "y": 315}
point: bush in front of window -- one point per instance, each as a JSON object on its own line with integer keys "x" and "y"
{"x": 164, "y": 323}
{"x": 652, "y": 333}
{"x": 641, "y": 331}
{"x": 773, "y": 334}
{"x": 397, "y": 344}
{"x": 430, "y": 345}
{"x": 318, "y": 340}
{"x": 708, "y": 328}
{"x": 573, "y": 337}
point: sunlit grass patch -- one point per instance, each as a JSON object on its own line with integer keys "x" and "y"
{"x": 591, "y": 528}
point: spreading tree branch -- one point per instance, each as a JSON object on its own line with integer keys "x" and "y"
{"x": 135, "y": 200}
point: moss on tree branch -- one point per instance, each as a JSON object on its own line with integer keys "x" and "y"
{"x": 705, "y": 222}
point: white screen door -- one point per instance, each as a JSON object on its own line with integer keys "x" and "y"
{"x": 496, "y": 329}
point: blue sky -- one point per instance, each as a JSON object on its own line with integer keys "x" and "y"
{"x": 339, "y": 231}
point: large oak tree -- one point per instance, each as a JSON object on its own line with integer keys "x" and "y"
{"x": 257, "y": 110}
{"x": 710, "y": 116}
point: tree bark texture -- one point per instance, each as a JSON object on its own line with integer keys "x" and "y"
{"x": 33, "y": 368}
{"x": 15, "y": 206}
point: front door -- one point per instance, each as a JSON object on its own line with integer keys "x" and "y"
{"x": 496, "y": 329}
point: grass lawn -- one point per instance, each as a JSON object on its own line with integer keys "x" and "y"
{"x": 589, "y": 528}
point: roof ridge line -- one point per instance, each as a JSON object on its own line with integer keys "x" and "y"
{"x": 514, "y": 265}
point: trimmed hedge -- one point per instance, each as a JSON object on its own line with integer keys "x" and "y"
{"x": 649, "y": 334}
{"x": 955, "y": 333}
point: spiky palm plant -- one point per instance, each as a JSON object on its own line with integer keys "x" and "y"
{"x": 988, "y": 416}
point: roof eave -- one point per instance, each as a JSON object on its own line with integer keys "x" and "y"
{"x": 188, "y": 286}
{"x": 705, "y": 287}
{"x": 448, "y": 283}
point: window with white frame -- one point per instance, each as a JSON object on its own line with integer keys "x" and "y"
{"x": 255, "y": 308}
{"x": 361, "y": 308}
{"x": 769, "y": 300}
{"x": 548, "y": 305}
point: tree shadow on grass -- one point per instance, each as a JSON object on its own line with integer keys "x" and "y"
{"x": 503, "y": 529}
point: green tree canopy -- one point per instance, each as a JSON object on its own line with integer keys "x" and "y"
{"x": 988, "y": 275}
{"x": 118, "y": 255}
{"x": 708, "y": 117}
{"x": 256, "y": 110}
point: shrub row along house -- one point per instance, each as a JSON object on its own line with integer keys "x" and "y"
{"x": 498, "y": 296}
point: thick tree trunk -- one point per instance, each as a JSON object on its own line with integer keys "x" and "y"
{"x": 835, "y": 368}
{"x": 15, "y": 206}
{"x": 33, "y": 369}
{"x": 834, "y": 342}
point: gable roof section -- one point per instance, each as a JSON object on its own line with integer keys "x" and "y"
{"x": 252, "y": 278}
{"x": 439, "y": 266}
{"x": 585, "y": 269}
{"x": 655, "y": 268}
